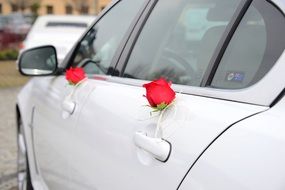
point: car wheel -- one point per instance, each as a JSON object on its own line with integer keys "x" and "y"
{"x": 24, "y": 179}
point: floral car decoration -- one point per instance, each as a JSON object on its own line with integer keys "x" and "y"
{"x": 160, "y": 96}
{"x": 75, "y": 75}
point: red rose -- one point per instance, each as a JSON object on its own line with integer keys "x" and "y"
{"x": 159, "y": 93}
{"x": 75, "y": 75}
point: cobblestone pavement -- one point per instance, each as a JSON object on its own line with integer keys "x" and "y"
{"x": 8, "y": 146}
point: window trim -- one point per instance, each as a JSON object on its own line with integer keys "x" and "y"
{"x": 245, "y": 95}
{"x": 116, "y": 71}
{"x": 128, "y": 48}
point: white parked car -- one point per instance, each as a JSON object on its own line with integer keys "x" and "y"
{"x": 225, "y": 129}
{"x": 61, "y": 31}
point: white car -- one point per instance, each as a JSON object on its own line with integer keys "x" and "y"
{"x": 61, "y": 31}
{"x": 224, "y": 131}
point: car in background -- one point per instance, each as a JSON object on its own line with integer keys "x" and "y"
{"x": 3, "y": 23}
{"x": 224, "y": 131}
{"x": 30, "y": 18}
{"x": 59, "y": 31}
{"x": 13, "y": 29}
{"x": 18, "y": 25}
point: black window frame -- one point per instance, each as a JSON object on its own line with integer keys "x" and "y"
{"x": 84, "y": 10}
{"x": 69, "y": 9}
{"x": 49, "y": 10}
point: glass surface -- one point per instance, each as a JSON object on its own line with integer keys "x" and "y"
{"x": 179, "y": 39}
{"x": 255, "y": 47}
{"x": 38, "y": 61}
{"x": 67, "y": 24}
{"x": 102, "y": 41}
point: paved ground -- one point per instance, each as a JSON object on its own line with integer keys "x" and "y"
{"x": 10, "y": 84}
{"x": 8, "y": 148}
{"x": 9, "y": 76}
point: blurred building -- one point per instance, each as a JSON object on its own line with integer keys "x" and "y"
{"x": 42, "y": 7}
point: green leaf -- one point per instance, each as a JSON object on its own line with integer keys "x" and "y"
{"x": 158, "y": 108}
{"x": 71, "y": 83}
{"x": 161, "y": 106}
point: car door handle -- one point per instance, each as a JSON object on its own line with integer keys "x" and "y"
{"x": 157, "y": 147}
{"x": 68, "y": 106}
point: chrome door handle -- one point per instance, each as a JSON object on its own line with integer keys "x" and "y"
{"x": 157, "y": 147}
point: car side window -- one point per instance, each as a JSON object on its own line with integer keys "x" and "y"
{"x": 255, "y": 47}
{"x": 179, "y": 39}
{"x": 98, "y": 47}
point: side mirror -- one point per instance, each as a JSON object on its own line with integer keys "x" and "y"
{"x": 39, "y": 61}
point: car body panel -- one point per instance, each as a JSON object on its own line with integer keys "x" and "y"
{"x": 25, "y": 106}
{"x": 48, "y": 131}
{"x": 261, "y": 139}
{"x": 105, "y": 145}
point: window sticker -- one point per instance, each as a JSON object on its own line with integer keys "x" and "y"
{"x": 234, "y": 76}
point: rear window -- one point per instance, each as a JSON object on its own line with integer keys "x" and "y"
{"x": 254, "y": 49}
{"x": 67, "y": 24}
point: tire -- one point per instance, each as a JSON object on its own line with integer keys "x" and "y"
{"x": 23, "y": 172}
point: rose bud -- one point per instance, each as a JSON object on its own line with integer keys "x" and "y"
{"x": 159, "y": 93}
{"x": 75, "y": 75}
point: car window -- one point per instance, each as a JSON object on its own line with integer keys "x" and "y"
{"x": 67, "y": 24}
{"x": 254, "y": 48}
{"x": 179, "y": 39}
{"x": 98, "y": 47}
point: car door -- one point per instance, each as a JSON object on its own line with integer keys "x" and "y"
{"x": 112, "y": 148}
{"x": 57, "y": 104}
{"x": 51, "y": 129}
